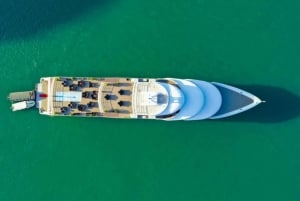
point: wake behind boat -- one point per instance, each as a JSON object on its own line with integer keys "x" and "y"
{"x": 138, "y": 98}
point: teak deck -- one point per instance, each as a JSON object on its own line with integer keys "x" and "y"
{"x": 107, "y": 102}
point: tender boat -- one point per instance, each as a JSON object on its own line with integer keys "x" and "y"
{"x": 22, "y": 105}
{"x": 168, "y": 99}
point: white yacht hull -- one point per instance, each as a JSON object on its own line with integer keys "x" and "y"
{"x": 169, "y": 99}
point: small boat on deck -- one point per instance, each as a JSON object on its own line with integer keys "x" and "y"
{"x": 168, "y": 99}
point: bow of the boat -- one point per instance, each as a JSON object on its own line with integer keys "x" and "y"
{"x": 234, "y": 101}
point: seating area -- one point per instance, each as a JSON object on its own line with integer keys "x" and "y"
{"x": 67, "y": 82}
{"x": 124, "y": 103}
{"x": 92, "y": 104}
{"x": 87, "y": 84}
{"x": 74, "y": 87}
{"x": 123, "y": 92}
{"x": 110, "y": 97}
{"x": 65, "y": 110}
{"x": 115, "y": 96}
{"x": 87, "y": 102}
{"x": 73, "y": 106}
{"x": 78, "y": 85}
{"x": 118, "y": 99}
{"x": 90, "y": 94}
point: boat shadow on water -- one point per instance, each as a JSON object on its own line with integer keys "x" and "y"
{"x": 281, "y": 105}
{"x": 23, "y": 19}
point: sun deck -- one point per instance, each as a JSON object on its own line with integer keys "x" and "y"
{"x": 111, "y": 97}
{"x": 106, "y": 97}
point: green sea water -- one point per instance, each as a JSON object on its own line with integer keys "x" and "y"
{"x": 253, "y": 44}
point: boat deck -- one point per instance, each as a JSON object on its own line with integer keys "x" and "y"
{"x": 110, "y": 97}
{"x": 167, "y": 98}
{"x": 43, "y": 88}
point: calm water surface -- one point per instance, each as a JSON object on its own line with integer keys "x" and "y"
{"x": 252, "y": 44}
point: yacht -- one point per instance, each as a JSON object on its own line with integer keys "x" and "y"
{"x": 169, "y": 99}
